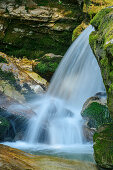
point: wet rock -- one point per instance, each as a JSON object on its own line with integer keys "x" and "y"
{"x": 18, "y": 79}
{"x": 95, "y": 114}
{"x": 15, "y": 117}
{"x": 88, "y": 133}
{"x": 14, "y": 107}
{"x": 9, "y": 90}
{"x": 16, "y": 159}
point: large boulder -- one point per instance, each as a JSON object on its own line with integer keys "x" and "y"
{"x": 95, "y": 112}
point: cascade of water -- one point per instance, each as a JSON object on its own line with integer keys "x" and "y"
{"x": 78, "y": 77}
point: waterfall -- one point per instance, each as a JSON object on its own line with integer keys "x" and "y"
{"x": 78, "y": 77}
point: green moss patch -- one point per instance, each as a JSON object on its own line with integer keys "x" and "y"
{"x": 47, "y": 66}
{"x": 97, "y": 114}
{"x": 23, "y": 40}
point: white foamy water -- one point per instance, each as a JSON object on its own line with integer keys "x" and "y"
{"x": 58, "y": 123}
{"x": 78, "y": 77}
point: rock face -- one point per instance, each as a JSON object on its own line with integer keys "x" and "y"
{"x": 33, "y": 32}
{"x": 101, "y": 41}
{"x": 15, "y": 159}
{"x": 18, "y": 80}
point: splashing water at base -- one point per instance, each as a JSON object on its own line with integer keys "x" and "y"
{"x": 77, "y": 78}
{"x": 58, "y": 123}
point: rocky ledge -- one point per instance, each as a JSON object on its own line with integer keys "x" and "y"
{"x": 32, "y": 32}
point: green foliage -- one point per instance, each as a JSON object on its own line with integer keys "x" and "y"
{"x": 98, "y": 114}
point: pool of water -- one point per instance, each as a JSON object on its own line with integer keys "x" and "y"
{"x": 82, "y": 152}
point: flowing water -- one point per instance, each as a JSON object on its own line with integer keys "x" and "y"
{"x": 57, "y": 127}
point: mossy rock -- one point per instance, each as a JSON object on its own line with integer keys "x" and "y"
{"x": 46, "y": 66}
{"x": 97, "y": 115}
{"x": 8, "y": 76}
{"x": 32, "y": 38}
{"x": 4, "y": 126}
{"x": 103, "y": 146}
{"x": 78, "y": 30}
{"x": 101, "y": 41}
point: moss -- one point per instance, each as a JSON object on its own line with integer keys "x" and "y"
{"x": 77, "y": 31}
{"x": 97, "y": 113}
{"x": 94, "y": 6}
{"x": 103, "y": 146}
{"x": 29, "y": 38}
{"x": 96, "y": 21}
{"x": 26, "y": 41}
{"x": 102, "y": 46}
{"x": 46, "y": 66}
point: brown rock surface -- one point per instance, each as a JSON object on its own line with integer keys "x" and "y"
{"x": 15, "y": 159}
